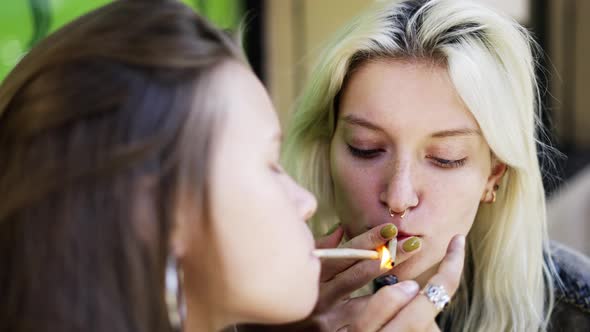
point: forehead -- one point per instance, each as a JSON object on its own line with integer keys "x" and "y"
{"x": 410, "y": 93}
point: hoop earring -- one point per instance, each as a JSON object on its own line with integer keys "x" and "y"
{"x": 173, "y": 295}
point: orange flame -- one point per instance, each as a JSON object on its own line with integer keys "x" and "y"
{"x": 386, "y": 263}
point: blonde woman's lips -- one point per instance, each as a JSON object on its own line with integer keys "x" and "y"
{"x": 404, "y": 235}
{"x": 401, "y": 234}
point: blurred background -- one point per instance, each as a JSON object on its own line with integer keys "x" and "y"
{"x": 283, "y": 40}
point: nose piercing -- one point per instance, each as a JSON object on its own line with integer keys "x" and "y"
{"x": 403, "y": 215}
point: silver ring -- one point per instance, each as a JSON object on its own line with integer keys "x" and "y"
{"x": 437, "y": 295}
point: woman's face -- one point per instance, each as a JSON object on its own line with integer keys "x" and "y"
{"x": 259, "y": 211}
{"x": 404, "y": 140}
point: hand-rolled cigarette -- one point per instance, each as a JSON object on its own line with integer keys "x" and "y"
{"x": 345, "y": 253}
{"x": 392, "y": 246}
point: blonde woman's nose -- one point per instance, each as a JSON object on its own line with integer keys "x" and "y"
{"x": 399, "y": 193}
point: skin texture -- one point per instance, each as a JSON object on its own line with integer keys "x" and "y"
{"x": 258, "y": 214}
{"x": 405, "y": 141}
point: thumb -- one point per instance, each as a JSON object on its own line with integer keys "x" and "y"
{"x": 332, "y": 239}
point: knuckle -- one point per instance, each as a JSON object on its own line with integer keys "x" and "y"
{"x": 357, "y": 273}
{"x": 375, "y": 238}
{"x": 357, "y": 326}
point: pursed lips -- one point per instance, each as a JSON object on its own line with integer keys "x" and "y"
{"x": 401, "y": 234}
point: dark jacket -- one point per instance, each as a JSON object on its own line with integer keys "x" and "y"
{"x": 572, "y": 294}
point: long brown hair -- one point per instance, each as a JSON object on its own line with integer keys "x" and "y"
{"x": 101, "y": 125}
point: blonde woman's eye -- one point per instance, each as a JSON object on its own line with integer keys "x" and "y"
{"x": 446, "y": 163}
{"x": 364, "y": 153}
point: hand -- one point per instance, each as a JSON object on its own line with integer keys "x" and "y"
{"x": 400, "y": 308}
{"x": 339, "y": 278}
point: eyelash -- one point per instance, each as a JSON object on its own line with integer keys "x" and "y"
{"x": 363, "y": 154}
{"x": 445, "y": 163}
{"x": 372, "y": 153}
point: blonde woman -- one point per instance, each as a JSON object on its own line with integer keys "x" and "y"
{"x": 425, "y": 114}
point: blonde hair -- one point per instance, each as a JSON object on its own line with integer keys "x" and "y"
{"x": 507, "y": 281}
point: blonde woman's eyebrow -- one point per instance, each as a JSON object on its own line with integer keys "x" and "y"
{"x": 358, "y": 121}
{"x": 456, "y": 132}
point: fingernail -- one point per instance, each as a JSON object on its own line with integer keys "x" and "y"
{"x": 409, "y": 287}
{"x": 389, "y": 231}
{"x": 412, "y": 244}
{"x": 333, "y": 229}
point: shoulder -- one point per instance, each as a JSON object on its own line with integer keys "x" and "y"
{"x": 570, "y": 261}
{"x": 573, "y": 270}
{"x": 572, "y": 290}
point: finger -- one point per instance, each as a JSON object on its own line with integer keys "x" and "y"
{"x": 420, "y": 312}
{"x": 330, "y": 268}
{"x": 406, "y": 248}
{"x": 340, "y": 318}
{"x": 373, "y": 238}
{"x": 331, "y": 240}
{"x": 451, "y": 267}
{"x": 370, "y": 240}
{"x": 384, "y": 305}
{"x": 348, "y": 281}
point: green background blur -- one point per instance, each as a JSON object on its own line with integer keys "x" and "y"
{"x": 24, "y": 22}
